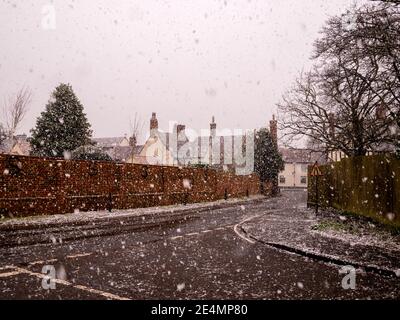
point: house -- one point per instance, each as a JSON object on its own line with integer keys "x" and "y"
{"x": 176, "y": 149}
{"x": 295, "y": 173}
{"x": 18, "y": 145}
{"x": 169, "y": 148}
{"x": 118, "y": 148}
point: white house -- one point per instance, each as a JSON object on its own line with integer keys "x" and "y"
{"x": 118, "y": 148}
{"x": 176, "y": 149}
{"x": 295, "y": 173}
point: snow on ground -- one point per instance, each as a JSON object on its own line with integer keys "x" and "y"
{"x": 380, "y": 239}
{"x": 79, "y": 216}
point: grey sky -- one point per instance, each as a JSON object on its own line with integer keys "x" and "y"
{"x": 184, "y": 59}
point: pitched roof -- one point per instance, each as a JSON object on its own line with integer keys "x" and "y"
{"x": 302, "y": 155}
{"x": 109, "y": 142}
{"x": 25, "y": 147}
{"x": 119, "y": 153}
{"x": 7, "y": 145}
{"x": 21, "y": 141}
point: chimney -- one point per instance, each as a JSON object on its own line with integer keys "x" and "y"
{"x": 153, "y": 124}
{"x": 273, "y": 130}
{"x": 213, "y": 127}
{"x": 180, "y": 131}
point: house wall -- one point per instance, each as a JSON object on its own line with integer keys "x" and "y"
{"x": 336, "y": 155}
{"x": 40, "y": 186}
{"x": 155, "y": 150}
{"x": 17, "y": 150}
{"x": 294, "y": 175}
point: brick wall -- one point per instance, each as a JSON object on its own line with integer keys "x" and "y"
{"x": 37, "y": 186}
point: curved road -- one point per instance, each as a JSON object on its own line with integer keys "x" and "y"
{"x": 204, "y": 257}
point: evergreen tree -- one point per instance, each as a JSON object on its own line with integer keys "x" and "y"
{"x": 62, "y": 127}
{"x": 267, "y": 159}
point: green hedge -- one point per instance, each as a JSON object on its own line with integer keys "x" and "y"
{"x": 368, "y": 186}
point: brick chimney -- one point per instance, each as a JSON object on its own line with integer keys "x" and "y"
{"x": 180, "y": 131}
{"x": 213, "y": 127}
{"x": 153, "y": 124}
{"x": 212, "y": 140}
{"x": 273, "y": 130}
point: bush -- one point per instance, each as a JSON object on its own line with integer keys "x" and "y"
{"x": 90, "y": 153}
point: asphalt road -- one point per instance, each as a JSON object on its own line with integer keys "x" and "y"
{"x": 204, "y": 257}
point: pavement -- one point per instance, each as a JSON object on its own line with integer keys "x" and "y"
{"x": 213, "y": 253}
{"x": 292, "y": 229}
{"x": 79, "y": 225}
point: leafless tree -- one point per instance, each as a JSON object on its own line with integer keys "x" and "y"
{"x": 3, "y": 134}
{"x": 341, "y": 104}
{"x": 15, "y": 109}
{"x": 371, "y": 36}
{"x": 136, "y": 127}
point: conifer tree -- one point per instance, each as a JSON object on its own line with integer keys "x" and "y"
{"x": 267, "y": 159}
{"x": 62, "y": 127}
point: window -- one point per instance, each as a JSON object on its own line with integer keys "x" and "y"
{"x": 304, "y": 168}
{"x": 282, "y": 179}
{"x": 303, "y": 180}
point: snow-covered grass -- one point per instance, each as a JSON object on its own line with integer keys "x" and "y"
{"x": 357, "y": 230}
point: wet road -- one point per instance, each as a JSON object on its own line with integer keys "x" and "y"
{"x": 204, "y": 257}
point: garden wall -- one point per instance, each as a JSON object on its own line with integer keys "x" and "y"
{"x": 38, "y": 186}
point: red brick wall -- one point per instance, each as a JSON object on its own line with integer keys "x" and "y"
{"x": 37, "y": 186}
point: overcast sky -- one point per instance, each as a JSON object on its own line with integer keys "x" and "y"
{"x": 187, "y": 60}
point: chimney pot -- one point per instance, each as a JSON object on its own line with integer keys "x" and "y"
{"x": 273, "y": 130}
{"x": 153, "y": 122}
{"x": 213, "y": 126}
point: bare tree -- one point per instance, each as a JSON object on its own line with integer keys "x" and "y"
{"x": 335, "y": 111}
{"x": 15, "y": 109}
{"x": 136, "y": 126}
{"x": 341, "y": 104}
{"x": 369, "y": 35}
{"x": 3, "y": 134}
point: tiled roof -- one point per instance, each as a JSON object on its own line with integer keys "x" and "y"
{"x": 122, "y": 153}
{"x": 7, "y": 145}
{"x": 302, "y": 156}
{"x": 109, "y": 142}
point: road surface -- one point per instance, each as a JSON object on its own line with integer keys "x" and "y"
{"x": 204, "y": 257}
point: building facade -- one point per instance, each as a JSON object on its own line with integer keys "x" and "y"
{"x": 120, "y": 149}
{"x": 17, "y": 145}
{"x": 222, "y": 152}
{"x": 295, "y": 173}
